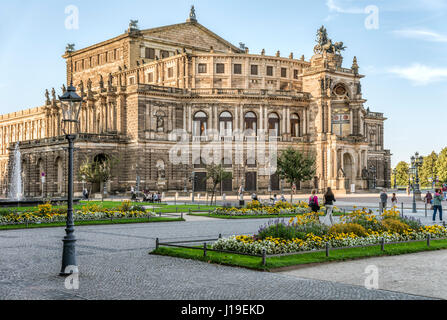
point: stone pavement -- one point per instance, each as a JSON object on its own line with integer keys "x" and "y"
{"x": 419, "y": 273}
{"x": 114, "y": 264}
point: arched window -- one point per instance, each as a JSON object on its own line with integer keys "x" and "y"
{"x": 295, "y": 125}
{"x": 199, "y": 124}
{"x": 274, "y": 125}
{"x": 226, "y": 124}
{"x": 251, "y": 123}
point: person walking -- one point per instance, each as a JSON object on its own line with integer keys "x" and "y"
{"x": 383, "y": 199}
{"x": 437, "y": 204}
{"x": 428, "y": 199}
{"x": 394, "y": 200}
{"x": 329, "y": 200}
{"x": 313, "y": 201}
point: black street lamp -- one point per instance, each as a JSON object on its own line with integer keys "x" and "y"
{"x": 411, "y": 177}
{"x": 416, "y": 163}
{"x": 70, "y": 104}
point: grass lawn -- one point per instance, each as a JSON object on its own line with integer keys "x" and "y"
{"x": 181, "y": 208}
{"x": 273, "y": 263}
{"x": 92, "y": 222}
{"x": 267, "y": 216}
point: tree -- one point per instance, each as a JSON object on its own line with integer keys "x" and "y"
{"x": 217, "y": 175}
{"x": 97, "y": 171}
{"x": 402, "y": 173}
{"x": 428, "y": 170}
{"x": 295, "y": 167}
{"x": 441, "y": 166}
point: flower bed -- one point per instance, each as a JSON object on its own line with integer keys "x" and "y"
{"x": 47, "y": 214}
{"x": 255, "y": 208}
{"x": 388, "y": 226}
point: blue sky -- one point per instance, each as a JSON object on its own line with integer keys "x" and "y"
{"x": 403, "y": 57}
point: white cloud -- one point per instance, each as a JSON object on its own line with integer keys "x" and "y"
{"x": 421, "y": 34}
{"x": 420, "y": 75}
{"x": 334, "y": 7}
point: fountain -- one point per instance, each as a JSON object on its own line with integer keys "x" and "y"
{"x": 15, "y": 195}
{"x": 15, "y": 189}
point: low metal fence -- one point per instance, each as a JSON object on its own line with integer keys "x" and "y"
{"x": 205, "y": 248}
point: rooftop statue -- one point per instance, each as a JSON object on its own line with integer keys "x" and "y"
{"x": 133, "y": 24}
{"x": 324, "y": 44}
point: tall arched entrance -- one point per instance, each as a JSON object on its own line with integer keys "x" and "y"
{"x": 99, "y": 159}
{"x": 348, "y": 168}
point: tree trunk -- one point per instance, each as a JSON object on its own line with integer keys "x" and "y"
{"x": 291, "y": 194}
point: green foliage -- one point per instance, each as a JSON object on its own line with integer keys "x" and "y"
{"x": 282, "y": 231}
{"x": 394, "y": 225}
{"x": 97, "y": 171}
{"x": 441, "y": 166}
{"x": 254, "y": 205}
{"x": 295, "y": 167}
{"x": 413, "y": 223}
{"x": 428, "y": 169}
{"x": 348, "y": 228}
{"x": 125, "y": 206}
{"x": 402, "y": 174}
{"x": 137, "y": 207}
{"x": 217, "y": 174}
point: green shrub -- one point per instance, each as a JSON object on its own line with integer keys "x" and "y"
{"x": 413, "y": 223}
{"x": 138, "y": 208}
{"x": 125, "y": 206}
{"x": 316, "y": 228}
{"x": 394, "y": 225}
{"x": 280, "y": 230}
{"x": 354, "y": 228}
{"x": 254, "y": 205}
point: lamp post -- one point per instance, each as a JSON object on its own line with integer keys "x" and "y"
{"x": 411, "y": 178}
{"x": 416, "y": 163}
{"x": 70, "y": 104}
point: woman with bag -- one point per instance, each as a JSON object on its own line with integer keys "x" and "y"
{"x": 329, "y": 200}
{"x": 313, "y": 201}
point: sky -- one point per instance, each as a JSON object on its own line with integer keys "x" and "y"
{"x": 400, "y": 46}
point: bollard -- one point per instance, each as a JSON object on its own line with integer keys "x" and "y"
{"x": 176, "y": 209}
{"x": 383, "y": 244}
{"x": 428, "y": 240}
{"x": 327, "y": 249}
{"x": 157, "y": 243}
{"x": 204, "y": 249}
{"x": 189, "y": 210}
{"x": 220, "y": 235}
{"x": 209, "y": 212}
{"x": 182, "y": 215}
{"x": 402, "y": 206}
{"x": 380, "y": 207}
{"x": 264, "y": 257}
{"x": 426, "y": 210}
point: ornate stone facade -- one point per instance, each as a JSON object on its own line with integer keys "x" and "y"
{"x": 143, "y": 85}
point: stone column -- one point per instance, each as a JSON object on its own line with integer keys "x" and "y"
{"x": 329, "y": 117}
{"x": 352, "y": 120}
